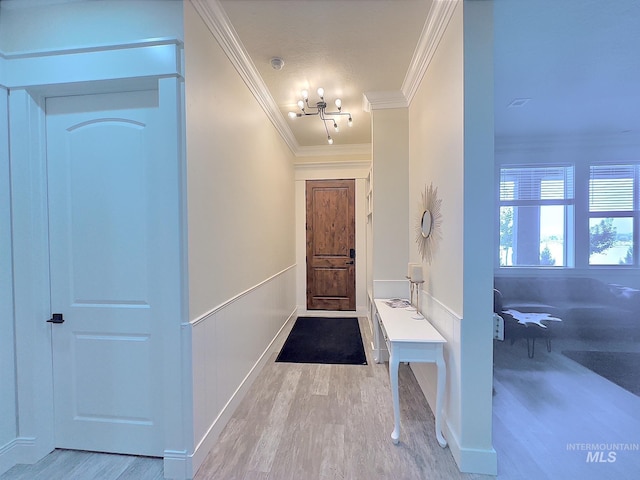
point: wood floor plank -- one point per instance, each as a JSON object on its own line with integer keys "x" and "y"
{"x": 77, "y": 465}
{"x": 334, "y": 422}
{"x": 263, "y": 454}
{"x": 332, "y": 463}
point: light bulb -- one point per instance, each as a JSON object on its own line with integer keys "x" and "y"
{"x": 335, "y": 125}
{"x": 301, "y": 104}
{"x": 338, "y": 103}
{"x": 293, "y": 114}
{"x": 350, "y": 121}
{"x": 330, "y": 140}
{"x": 321, "y": 92}
{"x": 305, "y": 94}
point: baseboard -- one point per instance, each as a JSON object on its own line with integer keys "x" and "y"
{"x": 360, "y": 311}
{"x": 177, "y": 465}
{"x": 8, "y": 456}
{"x": 471, "y": 460}
{"x": 180, "y": 465}
{"x": 21, "y": 450}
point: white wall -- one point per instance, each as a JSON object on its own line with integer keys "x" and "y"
{"x": 447, "y": 139}
{"x": 26, "y": 26}
{"x": 80, "y": 67}
{"x": 390, "y": 180}
{"x": 241, "y": 238}
{"x": 8, "y": 426}
{"x": 329, "y": 169}
{"x": 240, "y": 178}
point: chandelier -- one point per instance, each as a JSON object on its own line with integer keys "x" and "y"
{"x": 320, "y": 110}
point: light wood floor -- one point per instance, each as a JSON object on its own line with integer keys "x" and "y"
{"x": 318, "y": 422}
{"x": 545, "y": 407}
{"x": 74, "y": 465}
{"x": 333, "y": 422}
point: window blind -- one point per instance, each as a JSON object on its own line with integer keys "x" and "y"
{"x": 536, "y": 183}
{"x": 611, "y": 188}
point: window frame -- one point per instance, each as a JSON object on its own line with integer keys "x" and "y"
{"x": 568, "y": 202}
{"x": 633, "y": 213}
{"x": 577, "y": 220}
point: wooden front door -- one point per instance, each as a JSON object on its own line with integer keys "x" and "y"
{"x": 331, "y": 279}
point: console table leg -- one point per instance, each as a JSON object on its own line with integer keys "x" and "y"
{"x": 442, "y": 377}
{"x": 393, "y": 376}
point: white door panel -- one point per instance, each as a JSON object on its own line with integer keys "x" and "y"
{"x": 106, "y": 355}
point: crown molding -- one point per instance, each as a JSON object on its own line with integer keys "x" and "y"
{"x": 507, "y": 144}
{"x": 381, "y": 100}
{"x": 334, "y": 150}
{"x": 435, "y": 26}
{"x": 366, "y": 164}
{"x": 218, "y": 23}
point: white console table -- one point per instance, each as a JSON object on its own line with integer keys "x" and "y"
{"x": 409, "y": 340}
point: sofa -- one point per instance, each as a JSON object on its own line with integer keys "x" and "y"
{"x": 589, "y": 308}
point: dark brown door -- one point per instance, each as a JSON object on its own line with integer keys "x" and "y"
{"x": 331, "y": 235}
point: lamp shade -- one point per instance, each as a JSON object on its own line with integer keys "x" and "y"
{"x": 416, "y": 273}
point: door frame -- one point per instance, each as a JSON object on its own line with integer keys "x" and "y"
{"x": 358, "y": 171}
{"x": 321, "y": 262}
{"x": 31, "y": 282}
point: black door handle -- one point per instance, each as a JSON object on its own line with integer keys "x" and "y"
{"x": 349, "y": 263}
{"x": 57, "y": 318}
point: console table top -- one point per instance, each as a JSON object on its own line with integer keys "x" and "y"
{"x": 401, "y": 327}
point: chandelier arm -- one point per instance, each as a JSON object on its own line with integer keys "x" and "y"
{"x": 325, "y": 127}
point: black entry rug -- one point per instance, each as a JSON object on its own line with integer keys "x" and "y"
{"x": 324, "y": 340}
{"x": 622, "y": 368}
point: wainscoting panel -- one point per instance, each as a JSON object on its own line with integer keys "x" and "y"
{"x": 230, "y": 345}
{"x": 447, "y": 323}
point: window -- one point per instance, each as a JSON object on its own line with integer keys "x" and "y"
{"x": 536, "y": 209}
{"x": 613, "y": 214}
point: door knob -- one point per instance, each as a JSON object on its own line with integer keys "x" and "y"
{"x": 57, "y": 318}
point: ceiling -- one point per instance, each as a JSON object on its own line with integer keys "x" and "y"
{"x": 576, "y": 60}
{"x": 574, "y": 63}
{"x": 348, "y": 47}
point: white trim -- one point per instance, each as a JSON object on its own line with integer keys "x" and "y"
{"x": 177, "y": 465}
{"x": 96, "y": 47}
{"x": 205, "y": 445}
{"x": 435, "y": 26}
{"x": 225, "y": 304}
{"x": 358, "y": 312}
{"x": 518, "y": 144}
{"x": 334, "y": 150}
{"x": 383, "y": 100}
{"x": 218, "y": 23}
{"x": 331, "y": 170}
{"x": 20, "y": 450}
{"x": 471, "y": 460}
{"x": 32, "y": 305}
{"x": 149, "y": 59}
{"x": 8, "y": 455}
{"x": 334, "y": 165}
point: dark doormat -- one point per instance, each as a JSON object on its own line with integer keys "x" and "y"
{"x": 324, "y": 340}
{"x": 622, "y": 368}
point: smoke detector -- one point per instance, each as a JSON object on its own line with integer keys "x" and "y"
{"x": 277, "y": 63}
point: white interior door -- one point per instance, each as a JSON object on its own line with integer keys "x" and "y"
{"x": 103, "y": 206}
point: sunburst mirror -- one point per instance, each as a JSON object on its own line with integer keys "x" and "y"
{"x": 429, "y": 223}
